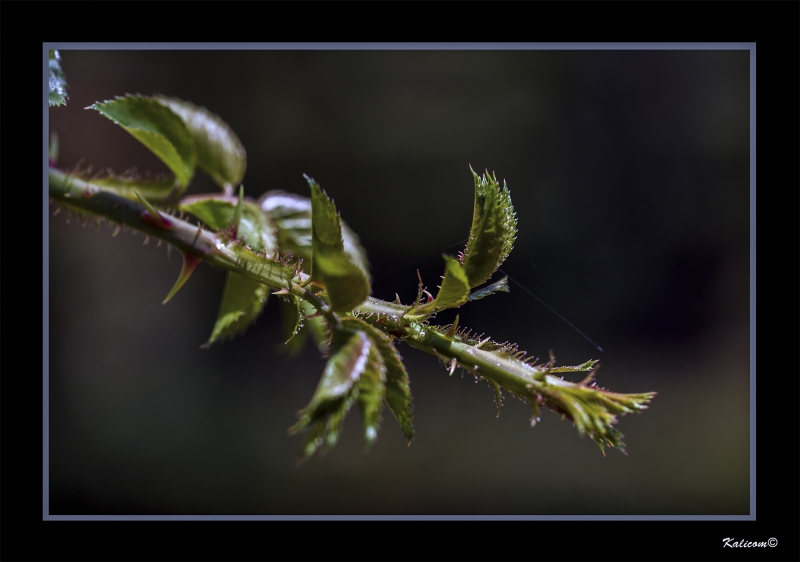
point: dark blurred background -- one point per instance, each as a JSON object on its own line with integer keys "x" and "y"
{"x": 629, "y": 172}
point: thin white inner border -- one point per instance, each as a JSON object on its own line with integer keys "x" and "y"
{"x": 702, "y": 46}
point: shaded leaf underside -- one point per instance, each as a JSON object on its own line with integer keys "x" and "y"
{"x": 335, "y": 394}
{"x": 398, "y": 392}
{"x": 291, "y": 215}
{"x": 243, "y": 299}
{"x": 158, "y": 128}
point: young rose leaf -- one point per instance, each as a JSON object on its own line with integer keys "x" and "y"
{"x": 371, "y": 390}
{"x": 592, "y": 409}
{"x": 494, "y": 228}
{"x": 346, "y": 283}
{"x": 454, "y": 290}
{"x": 219, "y": 151}
{"x": 291, "y": 214}
{"x": 335, "y": 392}
{"x": 218, "y": 212}
{"x": 243, "y": 299}
{"x": 158, "y": 128}
{"x": 398, "y": 393}
{"x": 57, "y": 80}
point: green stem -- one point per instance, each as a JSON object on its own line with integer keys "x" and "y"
{"x": 591, "y": 409}
{"x": 84, "y": 197}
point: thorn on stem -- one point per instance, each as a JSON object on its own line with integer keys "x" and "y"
{"x": 451, "y": 333}
{"x": 190, "y": 263}
{"x": 151, "y": 215}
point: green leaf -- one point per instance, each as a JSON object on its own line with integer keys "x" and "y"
{"x": 398, "y": 393}
{"x": 494, "y": 228}
{"x": 371, "y": 390}
{"x": 336, "y": 392}
{"x": 57, "y": 80}
{"x": 219, "y": 151}
{"x": 592, "y": 409}
{"x": 291, "y": 214}
{"x": 344, "y": 368}
{"x": 158, "y": 128}
{"x": 346, "y": 283}
{"x": 454, "y": 290}
{"x": 243, "y": 299}
{"x": 218, "y": 210}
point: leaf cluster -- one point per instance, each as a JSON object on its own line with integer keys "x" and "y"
{"x": 301, "y": 249}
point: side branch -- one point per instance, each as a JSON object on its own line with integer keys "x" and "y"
{"x": 592, "y": 409}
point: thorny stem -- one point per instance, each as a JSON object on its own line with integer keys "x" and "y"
{"x": 516, "y": 376}
{"x": 591, "y": 409}
{"x": 215, "y": 249}
{"x": 84, "y": 197}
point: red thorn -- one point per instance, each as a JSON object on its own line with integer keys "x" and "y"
{"x": 190, "y": 263}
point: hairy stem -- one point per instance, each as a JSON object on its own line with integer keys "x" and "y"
{"x": 215, "y": 248}
{"x": 592, "y": 409}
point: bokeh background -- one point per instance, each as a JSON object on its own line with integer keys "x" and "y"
{"x": 629, "y": 171}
